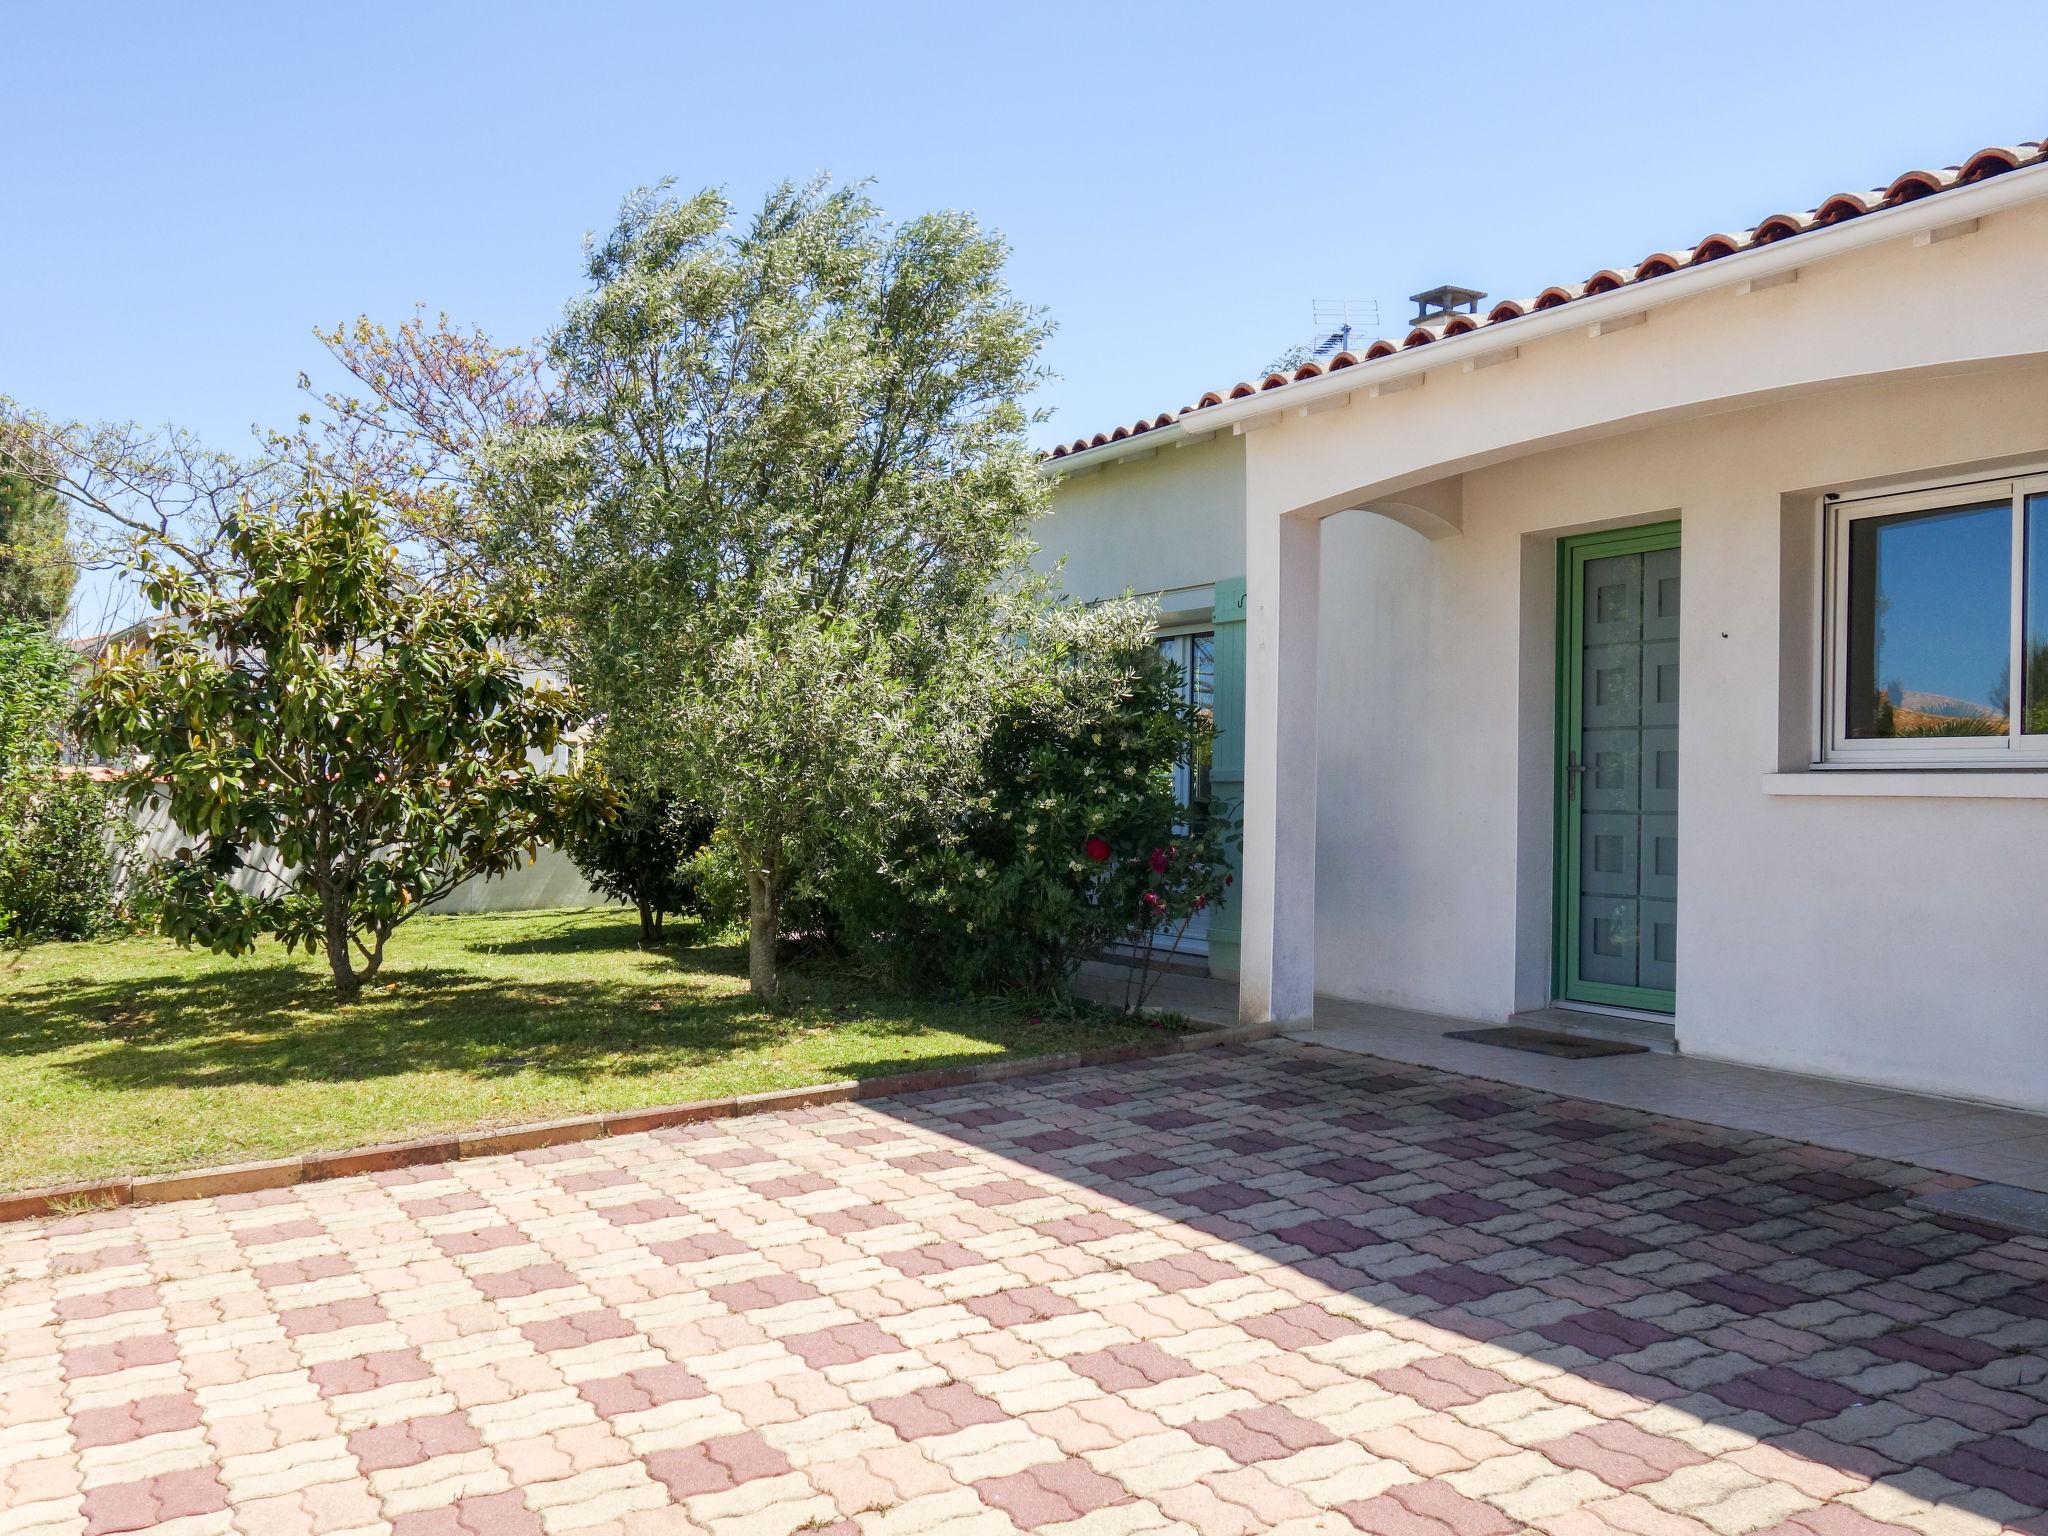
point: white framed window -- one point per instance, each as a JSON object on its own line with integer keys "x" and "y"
{"x": 1936, "y": 632}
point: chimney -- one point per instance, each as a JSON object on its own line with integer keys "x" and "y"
{"x": 1439, "y": 304}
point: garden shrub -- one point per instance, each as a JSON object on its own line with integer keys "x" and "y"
{"x": 60, "y": 847}
{"x": 1070, "y": 839}
{"x": 639, "y": 850}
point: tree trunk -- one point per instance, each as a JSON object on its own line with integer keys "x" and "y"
{"x": 334, "y": 934}
{"x": 763, "y": 925}
{"x": 650, "y": 924}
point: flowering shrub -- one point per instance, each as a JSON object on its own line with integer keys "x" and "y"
{"x": 1070, "y": 839}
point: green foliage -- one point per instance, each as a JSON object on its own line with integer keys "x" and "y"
{"x": 36, "y": 567}
{"x": 781, "y": 508}
{"x": 638, "y": 847}
{"x": 36, "y": 686}
{"x": 302, "y": 695}
{"x": 60, "y": 842}
{"x": 1067, "y": 840}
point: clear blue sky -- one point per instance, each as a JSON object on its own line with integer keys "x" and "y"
{"x": 189, "y": 188}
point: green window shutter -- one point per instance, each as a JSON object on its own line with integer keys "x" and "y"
{"x": 1226, "y": 775}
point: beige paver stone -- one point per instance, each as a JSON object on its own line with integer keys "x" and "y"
{"x": 594, "y": 1497}
{"x": 291, "y": 1468}
{"x": 438, "y": 1482}
{"x": 990, "y": 1450}
{"x": 1149, "y": 1463}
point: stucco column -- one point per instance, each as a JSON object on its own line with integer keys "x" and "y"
{"x": 1277, "y": 911}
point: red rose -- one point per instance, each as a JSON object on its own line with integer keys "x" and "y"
{"x": 1230, "y": 879}
{"x": 1153, "y": 903}
{"x": 1158, "y": 861}
{"x": 1097, "y": 850}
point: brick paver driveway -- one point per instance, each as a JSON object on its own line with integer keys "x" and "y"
{"x": 1264, "y": 1289}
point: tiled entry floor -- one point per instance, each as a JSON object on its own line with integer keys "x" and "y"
{"x": 1276, "y": 1289}
{"x": 2000, "y": 1146}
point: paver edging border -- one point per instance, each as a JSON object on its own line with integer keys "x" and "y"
{"x": 278, "y": 1173}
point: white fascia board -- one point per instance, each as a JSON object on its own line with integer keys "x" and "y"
{"x": 1137, "y": 446}
{"x": 1941, "y": 211}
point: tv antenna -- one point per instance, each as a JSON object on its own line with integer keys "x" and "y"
{"x": 1339, "y": 321}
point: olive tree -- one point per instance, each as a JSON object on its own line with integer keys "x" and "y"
{"x": 781, "y": 501}
{"x": 301, "y": 693}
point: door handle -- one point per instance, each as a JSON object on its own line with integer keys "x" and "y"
{"x": 1574, "y": 770}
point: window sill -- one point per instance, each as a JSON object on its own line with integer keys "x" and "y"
{"x": 1913, "y": 783}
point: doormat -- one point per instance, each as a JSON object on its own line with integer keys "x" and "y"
{"x": 1544, "y": 1042}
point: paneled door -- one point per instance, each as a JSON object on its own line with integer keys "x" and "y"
{"x": 1617, "y": 771}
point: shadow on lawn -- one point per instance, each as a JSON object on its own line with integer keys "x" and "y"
{"x": 275, "y": 1023}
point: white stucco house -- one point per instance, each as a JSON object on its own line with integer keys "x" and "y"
{"x": 1444, "y": 590}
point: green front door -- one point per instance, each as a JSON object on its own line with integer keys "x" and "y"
{"x": 1617, "y": 769}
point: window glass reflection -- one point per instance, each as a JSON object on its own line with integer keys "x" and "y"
{"x": 1930, "y": 623}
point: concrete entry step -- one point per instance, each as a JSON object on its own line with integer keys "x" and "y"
{"x": 1974, "y": 1141}
{"x": 2002, "y": 1205}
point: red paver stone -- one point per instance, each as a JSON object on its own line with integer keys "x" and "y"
{"x": 1051, "y": 1493}
{"x": 366, "y": 1373}
{"x": 1000, "y": 1192}
{"x": 766, "y": 1291}
{"x": 120, "y": 1355}
{"x": 1620, "y": 1454}
{"x": 712, "y": 1466}
{"x": 412, "y": 1441}
{"x": 97, "y": 1304}
{"x": 653, "y": 1208}
{"x": 491, "y": 1514}
{"x": 791, "y": 1184}
{"x": 843, "y": 1345}
{"x": 1185, "y": 1271}
{"x": 482, "y": 1240}
{"x": 325, "y": 1266}
{"x": 330, "y": 1317}
{"x": 150, "y": 1501}
{"x": 1127, "y": 1367}
{"x": 1299, "y": 1327}
{"x": 698, "y": 1248}
{"x": 577, "y": 1329}
{"x": 1427, "y": 1509}
{"x": 1265, "y": 1433}
{"x": 932, "y": 1258}
{"x": 1025, "y": 1304}
{"x": 120, "y": 1423}
{"x": 278, "y": 1232}
{"x": 637, "y": 1391}
{"x": 528, "y": 1280}
{"x": 1443, "y": 1381}
{"x": 1088, "y": 1228}
{"x": 935, "y": 1411}
{"x": 1836, "y": 1520}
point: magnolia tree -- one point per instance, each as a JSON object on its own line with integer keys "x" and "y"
{"x": 301, "y": 693}
{"x": 780, "y": 505}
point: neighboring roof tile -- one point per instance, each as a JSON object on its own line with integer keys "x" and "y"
{"x": 1905, "y": 188}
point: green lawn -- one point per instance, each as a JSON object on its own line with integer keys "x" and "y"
{"x": 134, "y": 1056}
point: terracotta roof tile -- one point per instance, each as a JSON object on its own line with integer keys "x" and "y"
{"x": 1905, "y": 188}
